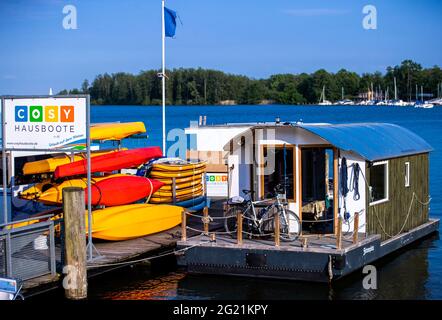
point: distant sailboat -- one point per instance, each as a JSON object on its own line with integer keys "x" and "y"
{"x": 396, "y": 101}
{"x": 322, "y": 100}
{"x": 421, "y": 103}
{"x": 343, "y": 101}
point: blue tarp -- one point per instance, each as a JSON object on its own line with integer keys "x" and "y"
{"x": 373, "y": 141}
{"x": 169, "y": 22}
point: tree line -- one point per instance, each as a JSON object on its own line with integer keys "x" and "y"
{"x": 202, "y": 86}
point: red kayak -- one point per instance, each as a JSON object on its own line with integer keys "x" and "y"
{"x": 109, "y": 162}
{"x": 121, "y": 190}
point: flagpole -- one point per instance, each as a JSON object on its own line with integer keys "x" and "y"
{"x": 163, "y": 77}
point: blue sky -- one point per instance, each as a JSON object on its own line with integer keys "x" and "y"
{"x": 255, "y": 38}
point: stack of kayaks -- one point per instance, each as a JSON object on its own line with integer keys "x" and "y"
{"x": 121, "y": 218}
{"x": 187, "y": 179}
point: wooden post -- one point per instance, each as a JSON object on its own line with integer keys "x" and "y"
{"x": 75, "y": 282}
{"x": 304, "y": 242}
{"x": 356, "y": 228}
{"x": 239, "y": 227}
{"x": 183, "y": 226}
{"x": 206, "y": 220}
{"x": 339, "y": 234}
{"x": 277, "y": 231}
{"x": 335, "y": 189}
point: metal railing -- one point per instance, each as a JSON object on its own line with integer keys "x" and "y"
{"x": 27, "y": 252}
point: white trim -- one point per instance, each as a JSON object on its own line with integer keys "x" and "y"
{"x": 407, "y": 174}
{"x": 387, "y": 182}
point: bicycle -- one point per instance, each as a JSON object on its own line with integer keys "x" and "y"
{"x": 260, "y": 222}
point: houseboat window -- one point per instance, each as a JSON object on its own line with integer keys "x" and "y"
{"x": 379, "y": 182}
{"x": 407, "y": 174}
{"x": 282, "y": 158}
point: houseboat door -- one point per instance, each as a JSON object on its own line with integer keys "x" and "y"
{"x": 317, "y": 189}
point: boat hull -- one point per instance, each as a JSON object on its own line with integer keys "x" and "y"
{"x": 109, "y": 162}
{"x": 116, "y": 131}
{"x": 133, "y": 221}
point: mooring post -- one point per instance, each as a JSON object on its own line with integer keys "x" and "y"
{"x": 277, "y": 231}
{"x": 356, "y": 228}
{"x": 75, "y": 282}
{"x": 339, "y": 234}
{"x": 239, "y": 227}
{"x": 206, "y": 220}
{"x": 183, "y": 225}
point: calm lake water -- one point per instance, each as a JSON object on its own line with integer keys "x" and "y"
{"x": 415, "y": 273}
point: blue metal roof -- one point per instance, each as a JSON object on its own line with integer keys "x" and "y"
{"x": 373, "y": 141}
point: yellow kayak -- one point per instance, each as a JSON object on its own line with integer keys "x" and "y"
{"x": 127, "y": 222}
{"x": 49, "y": 165}
{"x": 116, "y": 131}
{"x": 133, "y": 221}
{"x": 177, "y": 174}
{"x": 179, "y": 186}
{"x": 50, "y": 193}
{"x": 160, "y": 199}
{"x": 178, "y": 193}
{"x": 181, "y": 180}
{"x": 177, "y": 167}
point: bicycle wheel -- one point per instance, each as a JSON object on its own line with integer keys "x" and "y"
{"x": 289, "y": 226}
{"x": 230, "y": 220}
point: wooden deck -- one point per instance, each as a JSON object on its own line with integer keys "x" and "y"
{"x": 314, "y": 243}
{"x": 115, "y": 254}
{"x": 320, "y": 260}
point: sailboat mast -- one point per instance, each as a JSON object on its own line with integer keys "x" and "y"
{"x": 395, "y": 89}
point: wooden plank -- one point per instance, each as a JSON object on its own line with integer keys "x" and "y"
{"x": 335, "y": 188}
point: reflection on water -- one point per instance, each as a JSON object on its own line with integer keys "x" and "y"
{"x": 400, "y": 276}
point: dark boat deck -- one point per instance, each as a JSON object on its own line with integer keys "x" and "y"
{"x": 317, "y": 243}
{"x": 319, "y": 261}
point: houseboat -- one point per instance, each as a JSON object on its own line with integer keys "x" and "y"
{"x": 360, "y": 191}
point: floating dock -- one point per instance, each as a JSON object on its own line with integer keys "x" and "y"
{"x": 311, "y": 258}
{"x": 113, "y": 255}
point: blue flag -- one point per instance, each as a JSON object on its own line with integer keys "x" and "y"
{"x": 169, "y": 22}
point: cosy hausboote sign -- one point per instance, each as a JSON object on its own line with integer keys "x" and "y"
{"x": 44, "y": 123}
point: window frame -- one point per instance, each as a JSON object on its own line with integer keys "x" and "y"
{"x": 386, "y": 181}
{"x": 295, "y": 173}
{"x": 407, "y": 174}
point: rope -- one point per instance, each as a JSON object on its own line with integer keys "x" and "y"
{"x": 151, "y": 191}
{"x": 414, "y": 196}
{"x": 344, "y": 177}
{"x": 317, "y": 221}
{"x": 354, "y": 181}
{"x": 146, "y": 259}
{"x": 203, "y": 232}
